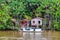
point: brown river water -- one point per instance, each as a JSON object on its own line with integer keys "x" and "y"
{"x": 15, "y": 35}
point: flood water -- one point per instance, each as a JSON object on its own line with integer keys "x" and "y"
{"x": 15, "y": 35}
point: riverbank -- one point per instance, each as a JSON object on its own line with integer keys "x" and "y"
{"x": 17, "y": 29}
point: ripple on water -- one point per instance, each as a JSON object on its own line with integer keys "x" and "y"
{"x": 14, "y": 35}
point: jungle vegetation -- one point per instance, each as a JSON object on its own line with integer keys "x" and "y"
{"x": 19, "y": 9}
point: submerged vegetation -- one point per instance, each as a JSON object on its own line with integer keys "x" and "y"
{"x": 19, "y": 9}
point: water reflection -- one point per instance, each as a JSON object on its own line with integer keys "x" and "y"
{"x": 15, "y": 35}
{"x": 33, "y": 36}
{"x": 45, "y": 35}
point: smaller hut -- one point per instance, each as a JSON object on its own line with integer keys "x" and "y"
{"x": 36, "y": 22}
{"x": 24, "y": 23}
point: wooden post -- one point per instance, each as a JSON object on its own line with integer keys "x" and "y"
{"x": 37, "y": 26}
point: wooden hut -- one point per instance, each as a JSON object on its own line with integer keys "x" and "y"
{"x": 24, "y": 23}
{"x": 36, "y": 22}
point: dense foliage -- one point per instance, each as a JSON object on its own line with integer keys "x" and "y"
{"x": 29, "y": 9}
